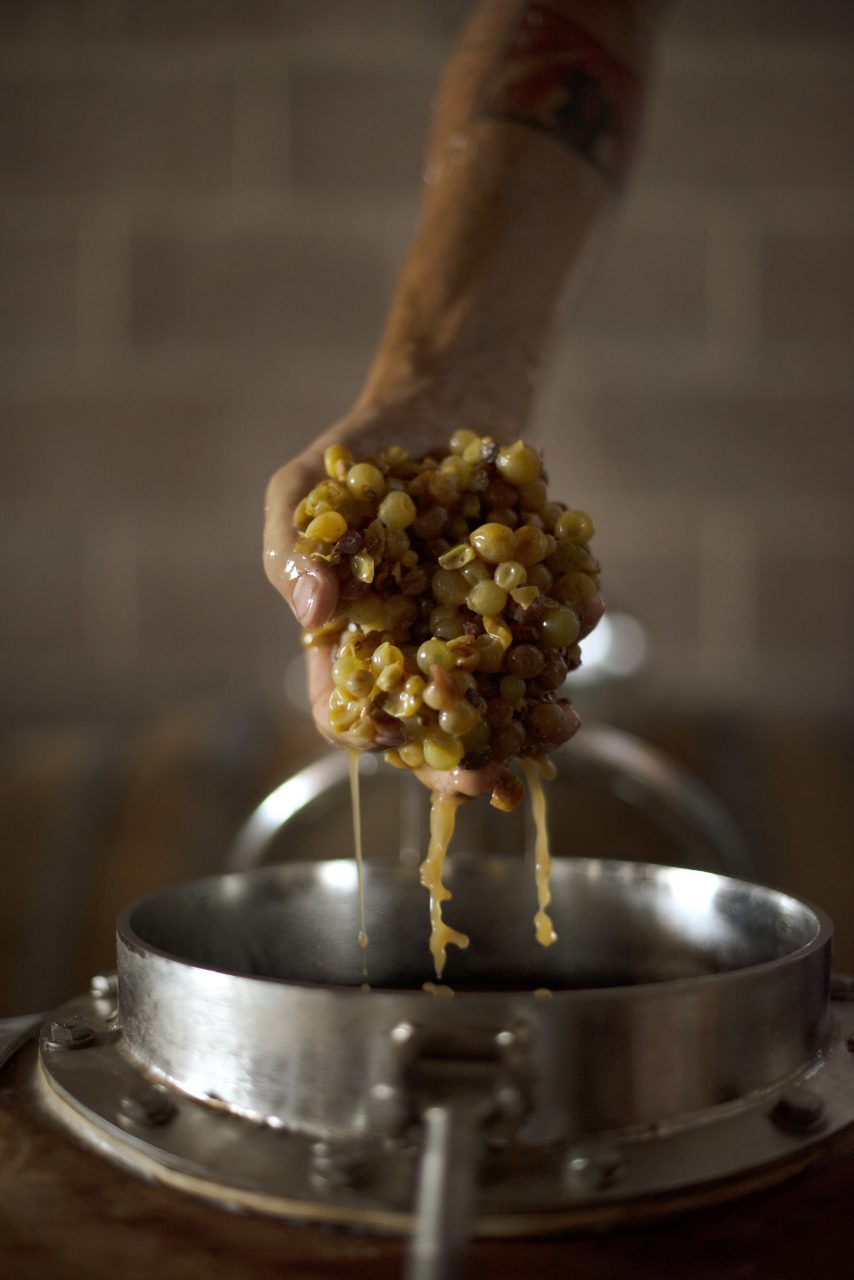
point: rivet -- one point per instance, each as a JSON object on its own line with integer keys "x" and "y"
{"x": 799, "y": 1110}
{"x": 388, "y": 1110}
{"x": 70, "y": 1033}
{"x": 593, "y": 1170}
{"x": 147, "y": 1106}
{"x": 104, "y": 986}
{"x": 336, "y": 1166}
{"x": 509, "y": 1102}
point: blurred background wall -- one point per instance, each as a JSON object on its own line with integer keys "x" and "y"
{"x": 204, "y": 205}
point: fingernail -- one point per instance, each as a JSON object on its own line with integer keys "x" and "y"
{"x": 305, "y": 597}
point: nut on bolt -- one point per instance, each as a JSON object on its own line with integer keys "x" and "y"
{"x": 146, "y": 1106}
{"x": 339, "y": 1165}
{"x": 388, "y": 1109}
{"x": 799, "y": 1110}
{"x": 593, "y": 1169}
{"x": 70, "y": 1033}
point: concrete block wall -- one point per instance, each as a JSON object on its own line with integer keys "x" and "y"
{"x": 203, "y": 208}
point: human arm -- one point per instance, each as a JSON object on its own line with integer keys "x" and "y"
{"x": 532, "y": 130}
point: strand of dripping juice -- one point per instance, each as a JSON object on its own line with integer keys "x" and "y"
{"x": 443, "y": 811}
{"x": 463, "y": 593}
{"x": 543, "y": 927}
{"x": 355, "y": 801}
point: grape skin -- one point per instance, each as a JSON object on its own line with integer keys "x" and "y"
{"x": 460, "y": 584}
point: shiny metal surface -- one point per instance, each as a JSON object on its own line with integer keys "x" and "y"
{"x": 462, "y": 1096}
{"x": 615, "y": 768}
{"x": 672, "y": 990}
{"x": 444, "y": 1199}
{"x": 522, "y": 1189}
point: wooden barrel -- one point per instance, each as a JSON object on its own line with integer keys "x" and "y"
{"x": 96, "y": 816}
{"x": 65, "y": 1212}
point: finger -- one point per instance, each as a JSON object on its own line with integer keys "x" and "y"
{"x": 388, "y": 732}
{"x": 318, "y": 660}
{"x": 478, "y": 782}
{"x": 313, "y": 591}
{"x": 460, "y": 782}
{"x": 309, "y": 586}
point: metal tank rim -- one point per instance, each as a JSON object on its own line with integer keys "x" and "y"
{"x": 271, "y": 1048}
{"x": 126, "y": 932}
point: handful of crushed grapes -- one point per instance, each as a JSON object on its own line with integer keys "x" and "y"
{"x": 461, "y": 587}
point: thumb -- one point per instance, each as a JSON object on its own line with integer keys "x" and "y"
{"x": 309, "y": 587}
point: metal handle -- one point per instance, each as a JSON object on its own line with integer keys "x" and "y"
{"x": 282, "y": 806}
{"x": 659, "y": 778}
{"x": 445, "y": 1193}
{"x": 460, "y": 1084}
{"x": 651, "y": 774}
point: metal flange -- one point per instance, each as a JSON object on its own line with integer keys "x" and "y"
{"x": 722, "y": 1152}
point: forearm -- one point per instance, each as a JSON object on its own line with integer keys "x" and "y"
{"x": 533, "y": 127}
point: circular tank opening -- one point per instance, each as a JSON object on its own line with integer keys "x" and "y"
{"x": 618, "y": 924}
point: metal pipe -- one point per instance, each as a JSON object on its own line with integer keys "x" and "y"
{"x": 445, "y": 1193}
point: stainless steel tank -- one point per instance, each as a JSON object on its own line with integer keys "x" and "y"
{"x": 678, "y": 1045}
{"x": 677, "y": 1037}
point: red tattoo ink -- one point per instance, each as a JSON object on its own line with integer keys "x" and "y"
{"x": 556, "y": 77}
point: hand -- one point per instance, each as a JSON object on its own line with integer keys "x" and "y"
{"x": 311, "y": 587}
{"x": 508, "y": 211}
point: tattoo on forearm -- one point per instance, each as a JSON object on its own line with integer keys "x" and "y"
{"x": 555, "y": 77}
